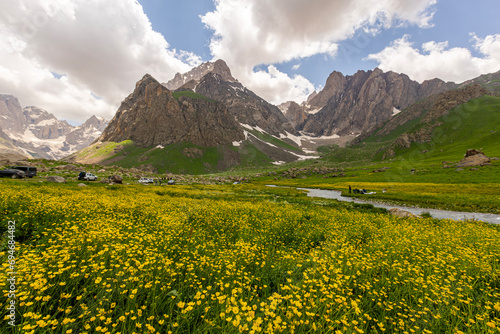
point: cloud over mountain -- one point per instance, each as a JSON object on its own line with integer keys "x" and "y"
{"x": 77, "y": 58}
{"x": 249, "y": 33}
{"x": 438, "y": 60}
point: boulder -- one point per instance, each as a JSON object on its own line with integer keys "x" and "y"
{"x": 471, "y": 152}
{"x": 116, "y": 179}
{"x": 55, "y": 179}
{"x": 476, "y": 159}
{"x": 82, "y": 185}
{"x": 401, "y": 213}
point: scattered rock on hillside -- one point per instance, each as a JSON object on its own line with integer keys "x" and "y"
{"x": 56, "y": 179}
{"x": 67, "y": 167}
{"x": 82, "y": 185}
{"x": 117, "y": 179}
{"x": 401, "y": 213}
{"x": 149, "y": 169}
{"x": 474, "y": 158}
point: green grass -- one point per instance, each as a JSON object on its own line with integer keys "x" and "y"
{"x": 170, "y": 158}
{"x": 361, "y": 153}
{"x": 191, "y": 94}
{"x": 273, "y": 140}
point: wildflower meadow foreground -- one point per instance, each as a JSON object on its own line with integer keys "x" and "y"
{"x": 238, "y": 258}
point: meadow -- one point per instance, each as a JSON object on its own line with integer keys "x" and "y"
{"x": 239, "y": 259}
{"x": 425, "y": 184}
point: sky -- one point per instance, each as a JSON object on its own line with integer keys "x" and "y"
{"x": 78, "y": 58}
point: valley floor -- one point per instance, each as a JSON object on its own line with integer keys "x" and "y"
{"x": 239, "y": 258}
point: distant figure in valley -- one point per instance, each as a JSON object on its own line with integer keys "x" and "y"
{"x": 349, "y": 189}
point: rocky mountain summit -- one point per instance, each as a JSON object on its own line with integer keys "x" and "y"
{"x": 244, "y": 105}
{"x": 34, "y": 132}
{"x": 151, "y": 116}
{"x": 214, "y": 80}
{"x": 218, "y": 67}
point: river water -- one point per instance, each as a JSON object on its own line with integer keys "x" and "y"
{"x": 435, "y": 213}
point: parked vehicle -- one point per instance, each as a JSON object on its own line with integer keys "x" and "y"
{"x": 146, "y": 180}
{"x": 87, "y": 176}
{"x": 171, "y": 182}
{"x": 28, "y": 171}
{"x": 12, "y": 173}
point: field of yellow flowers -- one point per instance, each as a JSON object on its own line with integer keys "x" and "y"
{"x": 238, "y": 259}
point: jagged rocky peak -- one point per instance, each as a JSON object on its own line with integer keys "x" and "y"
{"x": 35, "y": 130}
{"x": 196, "y": 74}
{"x": 353, "y": 104}
{"x": 151, "y": 116}
{"x": 95, "y": 121}
{"x": 334, "y": 86}
{"x": 11, "y": 114}
{"x": 247, "y": 107}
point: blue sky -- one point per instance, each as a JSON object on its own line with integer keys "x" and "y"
{"x": 77, "y": 58}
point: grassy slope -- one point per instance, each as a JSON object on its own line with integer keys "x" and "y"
{"x": 475, "y": 124}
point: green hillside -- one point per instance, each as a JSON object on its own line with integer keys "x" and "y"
{"x": 183, "y": 158}
{"x": 475, "y": 124}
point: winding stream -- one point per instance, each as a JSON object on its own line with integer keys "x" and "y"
{"x": 435, "y": 213}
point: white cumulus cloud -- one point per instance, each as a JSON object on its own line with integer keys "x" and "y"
{"x": 248, "y": 33}
{"x": 437, "y": 60}
{"x": 81, "y": 57}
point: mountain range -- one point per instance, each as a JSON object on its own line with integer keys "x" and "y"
{"x": 205, "y": 120}
{"x": 35, "y": 133}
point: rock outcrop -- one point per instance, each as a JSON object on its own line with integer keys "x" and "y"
{"x": 474, "y": 158}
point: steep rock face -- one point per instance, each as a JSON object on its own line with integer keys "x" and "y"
{"x": 357, "y": 103}
{"x": 294, "y": 113}
{"x": 44, "y": 125}
{"x": 218, "y": 67}
{"x": 11, "y": 114}
{"x": 335, "y": 85}
{"x": 151, "y": 116}
{"x": 245, "y": 105}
